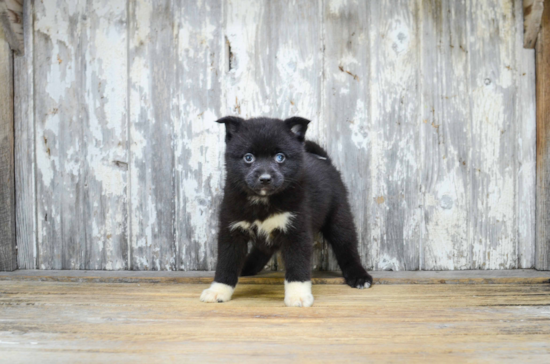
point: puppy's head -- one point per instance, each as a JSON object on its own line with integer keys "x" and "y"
{"x": 263, "y": 156}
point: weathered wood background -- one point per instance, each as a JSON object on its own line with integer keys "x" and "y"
{"x": 8, "y": 261}
{"x": 427, "y": 107}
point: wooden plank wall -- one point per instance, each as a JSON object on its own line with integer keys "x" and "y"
{"x": 25, "y": 193}
{"x": 427, "y": 108}
{"x": 8, "y": 255}
{"x": 543, "y": 143}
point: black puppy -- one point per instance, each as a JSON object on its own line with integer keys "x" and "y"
{"x": 280, "y": 191}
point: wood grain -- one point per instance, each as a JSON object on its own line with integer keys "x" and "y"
{"x": 68, "y": 322}
{"x": 532, "y": 14}
{"x": 25, "y": 181}
{"x": 493, "y": 222}
{"x": 395, "y": 213}
{"x": 104, "y": 133}
{"x": 200, "y": 62}
{"x": 526, "y": 150}
{"x": 11, "y": 19}
{"x": 151, "y": 82}
{"x": 59, "y": 73}
{"x": 8, "y": 252}
{"x": 81, "y": 134}
{"x": 445, "y": 136}
{"x": 543, "y": 144}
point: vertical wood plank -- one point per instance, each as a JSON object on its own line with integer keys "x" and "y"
{"x": 8, "y": 252}
{"x": 543, "y": 144}
{"x": 346, "y": 110}
{"x": 297, "y": 62}
{"x": 198, "y": 141}
{"x": 80, "y": 118}
{"x": 152, "y": 82}
{"x": 248, "y": 88}
{"x": 493, "y": 223}
{"x": 526, "y": 137}
{"x": 61, "y": 220}
{"x": 445, "y": 138}
{"x": 25, "y": 208}
{"x": 104, "y": 133}
{"x": 395, "y": 212}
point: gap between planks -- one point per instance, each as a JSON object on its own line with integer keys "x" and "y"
{"x": 519, "y": 276}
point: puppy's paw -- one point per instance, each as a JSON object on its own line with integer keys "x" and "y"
{"x": 299, "y": 301}
{"x": 218, "y": 292}
{"x": 298, "y": 294}
{"x": 358, "y": 279}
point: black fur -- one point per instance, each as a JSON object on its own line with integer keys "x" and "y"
{"x": 306, "y": 184}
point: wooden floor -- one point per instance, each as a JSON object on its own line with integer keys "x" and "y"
{"x": 68, "y": 322}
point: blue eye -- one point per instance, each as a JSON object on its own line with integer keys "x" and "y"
{"x": 280, "y": 157}
{"x": 249, "y": 158}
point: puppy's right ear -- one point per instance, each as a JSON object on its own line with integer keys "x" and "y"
{"x": 232, "y": 125}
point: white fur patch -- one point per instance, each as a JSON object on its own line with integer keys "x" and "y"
{"x": 277, "y": 221}
{"x": 298, "y": 294}
{"x": 244, "y": 225}
{"x": 218, "y": 292}
{"x": 264, "y": 228}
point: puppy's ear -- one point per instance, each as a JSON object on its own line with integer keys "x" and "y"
{"x": 298, "y": 126}
{"x": 232, "y": 125}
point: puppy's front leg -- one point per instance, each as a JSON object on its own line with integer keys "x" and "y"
{"x": 232, "y": 248}
{"x": 297, "y": 252}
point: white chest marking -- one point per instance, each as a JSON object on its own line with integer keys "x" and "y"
{"x": 264, "y": 228}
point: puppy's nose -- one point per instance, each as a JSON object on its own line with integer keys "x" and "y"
{"x": 265, "y": 179}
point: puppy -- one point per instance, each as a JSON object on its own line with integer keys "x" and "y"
{"x": 280, "y": 191}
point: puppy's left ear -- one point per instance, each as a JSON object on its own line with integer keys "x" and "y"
{"x": 298, "y": 126}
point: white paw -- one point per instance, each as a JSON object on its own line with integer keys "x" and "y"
{"x": 218, "y": 292}
{"x": 298, "y": 294}
{"x": 366, "y": 285}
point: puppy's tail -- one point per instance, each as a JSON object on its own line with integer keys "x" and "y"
{"x": 316, "y": 150}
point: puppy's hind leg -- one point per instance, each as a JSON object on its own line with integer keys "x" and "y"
{"x": 255, "y": 262}
{"x": 341, "y": 235}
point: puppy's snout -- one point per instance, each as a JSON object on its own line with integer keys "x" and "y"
{"x": 265, "y": 179}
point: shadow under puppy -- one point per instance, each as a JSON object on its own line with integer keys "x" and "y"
{"x": 280, "y": 191}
